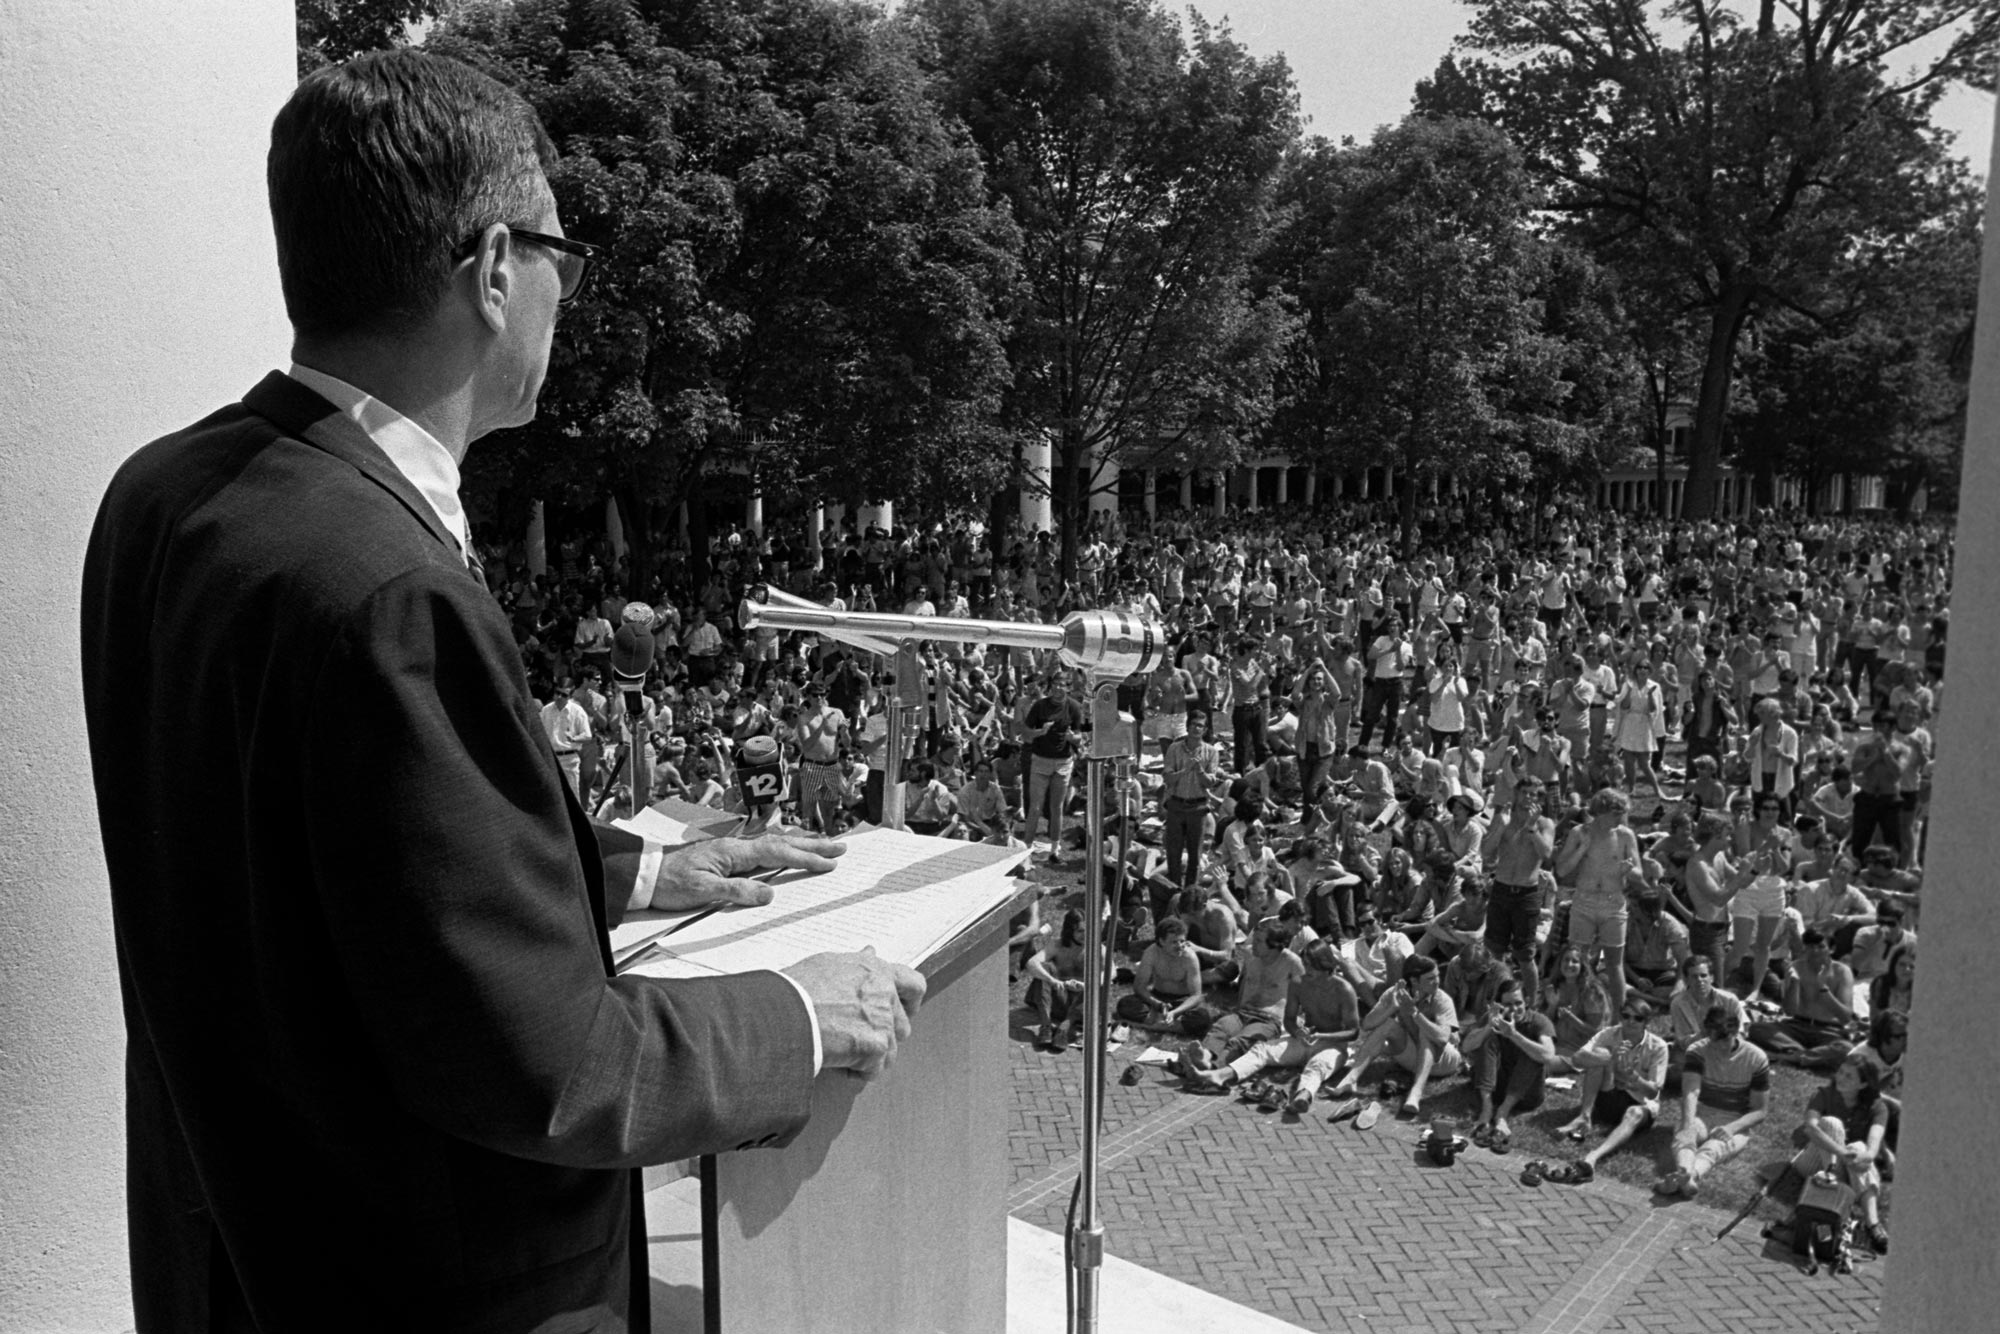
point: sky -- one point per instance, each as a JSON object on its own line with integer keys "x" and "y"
{"x": 1357, "y": 62}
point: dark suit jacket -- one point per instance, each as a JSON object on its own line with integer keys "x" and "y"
{"x": 378, "y": 1075}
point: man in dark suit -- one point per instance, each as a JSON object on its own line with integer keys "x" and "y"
{"x": 379, "y": 1075}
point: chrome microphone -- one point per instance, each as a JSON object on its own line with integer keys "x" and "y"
{"x": 1102, "y": 643}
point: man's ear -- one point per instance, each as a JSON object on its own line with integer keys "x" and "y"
{"x": 493, "y": 276}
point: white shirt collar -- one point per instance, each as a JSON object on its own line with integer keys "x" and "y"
{"x": 424, "y": 462}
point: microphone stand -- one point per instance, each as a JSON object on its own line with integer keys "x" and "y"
{"x": 1108, "y": 646}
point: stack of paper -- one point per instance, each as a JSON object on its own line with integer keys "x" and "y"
{"x": 906, "y": 895}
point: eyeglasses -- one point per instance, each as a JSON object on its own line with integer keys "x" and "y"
{"x": 574, "y": 259}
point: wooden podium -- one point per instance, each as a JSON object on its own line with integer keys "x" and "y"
{"x": 889, "y": 1212}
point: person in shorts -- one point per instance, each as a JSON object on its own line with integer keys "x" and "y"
{"x": 1624, "y": 1067}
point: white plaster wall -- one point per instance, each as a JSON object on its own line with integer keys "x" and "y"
{"x": 138, "y": 291}
{"x": 1944, "y": 1273}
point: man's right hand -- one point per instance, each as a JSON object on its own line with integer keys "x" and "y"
{"x": 864, "y": 1004}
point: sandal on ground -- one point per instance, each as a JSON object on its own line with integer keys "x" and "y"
{"x": 1482, "y": 1135}
{"x": 1271, "y": 1099}
{"x": 1571, "y": 1174}
{"x": 1368, "y": 1117}
{"x": 1534, "y": 1172}
{"x": 1345, "y": 1108}
{"x": 1500, "y": 1141}
{"x": 1878, "y": 1237}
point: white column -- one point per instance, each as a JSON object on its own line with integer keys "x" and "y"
{"x": 1250, "y": 476}
{"x": 881, "y": 516}
{"x": 614, "y": 528}
{"x": 1389, "y": 480}
{"x": 537, "y": 540}
{"x": 681, "y": 522}
{"x": 1948, "y": 1200}
{"x": 1036, "y": 509}
{"x": 816, "y": 537}
{"x": 1152, "y": 492}
{"x": 1284, "y": 484}
{"x": 137, "y": 295}
{"x": 1312, "y": 486}
{"x": 1340, "y": 486}
{"x": 1187, "y": 489}
{"x": 753, "y": 509}
{"x": 1222, "y": 491}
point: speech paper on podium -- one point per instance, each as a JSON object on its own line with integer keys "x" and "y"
{"x": 906, "y": 895}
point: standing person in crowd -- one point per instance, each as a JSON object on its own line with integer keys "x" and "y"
{"x": 1193, "y": 776}
{"x": 1053, "y": 726}
{"x": 438, "y": 1043}
{"x": 1515, "y": 848}
{"x": 1602, "y": 856}
{"x": 1390, "y": 660}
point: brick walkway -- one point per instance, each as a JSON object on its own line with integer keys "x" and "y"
{"x": 1334, "y": 1229}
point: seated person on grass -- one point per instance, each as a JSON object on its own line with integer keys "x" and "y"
{"x": 1326, "y": 888}
{"x": 1875, "y": 942}
{"x": 1819, "y": 1010}
{"x": 1623, "y": 1069}
{"x": 1415, "y": 1024}
{"x": 1725, "y": 1092}
{"x": 1687, "y": 1009}
{"x": 1851, "y": 1128}
{"x": 1510, "y": 1049}
{"x": 1378, "y": 957}
{"x": 1655, "y": 945}
{"x": 1211, "y": 931}
{"x": 1056, "y": 988}
{"x": 1167, "y": 983}
{"x": 1266, "y": 981}
{"x": 1322, "y": 1017}
{"x": 1465, "y": 920}
{"x": 1473, "y": 979}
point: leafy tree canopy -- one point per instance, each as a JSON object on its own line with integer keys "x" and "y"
{"x": 801, "y": 273}
{"x": 1139, "y": 164}
{"x": 1735, "y": 161}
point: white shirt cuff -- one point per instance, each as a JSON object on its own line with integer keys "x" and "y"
{"x": 649, "y": 871}
{"x": 812, "y": 1021}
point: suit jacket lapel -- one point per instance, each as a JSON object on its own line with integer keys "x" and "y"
{"x": 301, "y": 413}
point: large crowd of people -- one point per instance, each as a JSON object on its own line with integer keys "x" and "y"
{"x": 1635, "y": 805}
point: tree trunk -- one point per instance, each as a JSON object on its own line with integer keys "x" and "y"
{"x": 637, "y": 516}
{"x": 1071, "y": 496}
{"x": 1712, "y": 407}
{"x": 697, "y": 542}
{"x": 1406, "y": 512}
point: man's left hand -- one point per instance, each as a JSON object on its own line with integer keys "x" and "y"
{"x": 715, "y": 873}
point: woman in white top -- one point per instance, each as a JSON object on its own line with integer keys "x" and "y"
{"x": 1448, "y": 694}
{"x": 1766, "y": 848}
{"x": 1772, "y": 749}
{"x": 1641, "y": 713}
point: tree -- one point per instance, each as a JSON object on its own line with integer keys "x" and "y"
{"x": 1436, "y": 328}
{"x": 1877, "y": 386}
{"x": 331, "y": 31}
{"x": 1747, "y": 160}
{"x": 1139, "y": 167}
{"x": 801, "y": 275}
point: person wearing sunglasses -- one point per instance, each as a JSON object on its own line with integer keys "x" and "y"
{"x": 357, "y": 903}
